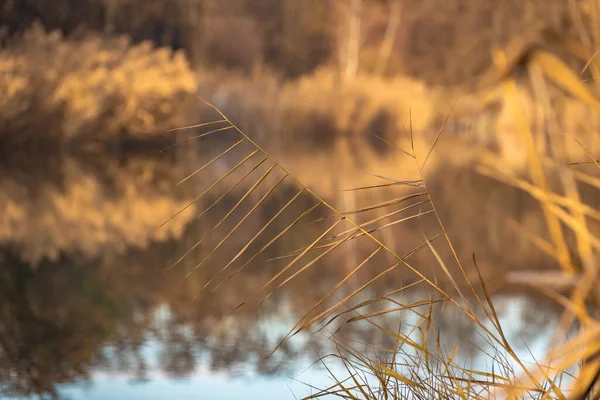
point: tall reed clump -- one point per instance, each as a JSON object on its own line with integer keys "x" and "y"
{"x": 420, "y": 363}
{"x": 558, "y": 168}
{"x": 59, "y": 90}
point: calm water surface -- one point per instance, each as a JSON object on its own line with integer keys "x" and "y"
{"x": 92, "y": 307}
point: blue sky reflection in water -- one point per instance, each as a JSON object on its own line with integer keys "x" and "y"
{"x": 204, "y": 384}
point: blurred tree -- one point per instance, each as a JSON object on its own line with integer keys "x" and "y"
{"x": 389, "y": 37}
{"x": 450, "y": 42}
{"x": 64, "y": 15}
{"x": 297, "y": 36}
{"x": 289, "y": 36}
{"x": 365, "y": 36}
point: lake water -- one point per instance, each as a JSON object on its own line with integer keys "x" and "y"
{"x": 92, "y": 305}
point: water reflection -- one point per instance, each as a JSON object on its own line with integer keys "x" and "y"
{"x": 62, "y": 204}
{"x": 83, "y": 285}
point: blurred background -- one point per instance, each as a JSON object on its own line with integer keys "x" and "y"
{"x": 90, "y": 89}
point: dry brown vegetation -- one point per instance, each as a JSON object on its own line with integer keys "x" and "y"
{"x": 104, "y": 88}
{"x": 519, "y": 188}
{"x": 441, "y": 43}
{"x": 540, "y": 155}
{"x": 211, "y": 32}
{"x": 58, "y": 90}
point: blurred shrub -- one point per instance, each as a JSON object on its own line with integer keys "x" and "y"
{"x": 318, "y": 111}
{"x": 319, "y": 105}
{"x": 89, "y": 88}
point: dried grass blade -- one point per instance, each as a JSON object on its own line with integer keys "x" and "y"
{"x": 182, "y": 128}
{"x": 261, "y": 231}
{"x": 240, "y": 222}
{"x": 221, "y": 197}
{"x": 210, "y": 162}
{"x": 392, "y": 310}
{"x": 437, "y": 138}
{"x": 385, "y": 203}
{"x": 557, "y": 71}
{"x": 329, "y": 294}
{"x": 221, "y": 179}
{"x": 190, "y": 139}
{"x": 248, "y": 192}
{"x": 279, "y": 235}
{"x": 291, "y": 264}
{"x": 305, "y": 266}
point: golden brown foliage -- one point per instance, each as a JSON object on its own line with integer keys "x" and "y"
{"x": 93, "y": 88}
{"x": 87, "y": 215}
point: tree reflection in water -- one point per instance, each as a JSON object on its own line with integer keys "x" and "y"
{"x": 83, "y": 285}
